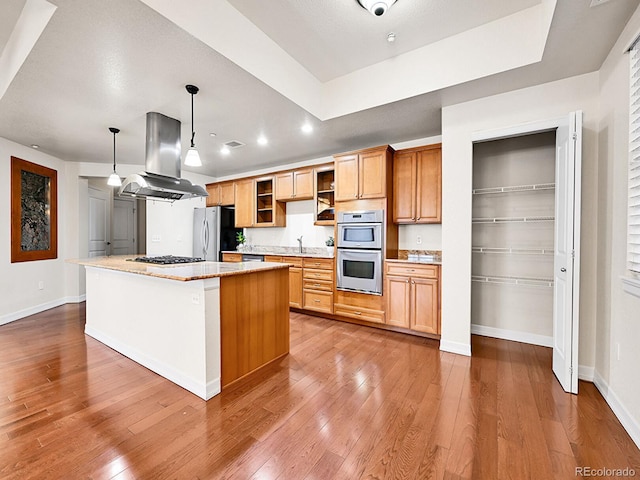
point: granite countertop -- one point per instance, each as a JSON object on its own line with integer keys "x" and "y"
{"x": 421, "y": 262}
{"x": 310, "y": 252}
{"x": 182, "y": 272}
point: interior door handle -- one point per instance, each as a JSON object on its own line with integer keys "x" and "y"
{"x": 563, "y": 269}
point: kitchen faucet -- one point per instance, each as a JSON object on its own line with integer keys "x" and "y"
{"x": 300, "y": 242}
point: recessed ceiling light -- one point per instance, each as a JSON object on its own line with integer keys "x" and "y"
{"x": 377, "y": 7}
{"x": 212, "y": 134}
{"x": 35, "y": 146}
{"x": 391, "y": 37}
{"x": 225, "y": 150}
{"x": 307, "y": 128}
{"x": 262, "y": 140}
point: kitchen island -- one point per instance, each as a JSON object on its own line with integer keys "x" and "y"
{"x": 201, "y": 325}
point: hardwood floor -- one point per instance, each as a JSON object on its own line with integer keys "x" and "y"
{"x": 348, "y": 402}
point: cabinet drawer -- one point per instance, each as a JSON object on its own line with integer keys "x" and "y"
{"x": 231, "y": 257}
{"x": 366, "y": 314}
{"x": 318, "y": 301}
{"x": 272, "y": 258}
{"x": 318, "y": 285}
{"x": 293, "y": 261}
{"x": 319, "y": 263}
{"x": 412, "y": 270}
{"x": 312, "y": 274}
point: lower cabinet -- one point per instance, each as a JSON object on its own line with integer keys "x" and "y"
{"x": 295, "y": 277}
{"x": 413, "y": 296}
{"x": 231, "y": 257}
{"x": 317, "y": 286}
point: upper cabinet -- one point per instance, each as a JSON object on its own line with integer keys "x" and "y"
{"x": 417, "y": 185}
{"x": 324, "y": 195}
{"x": 268, "y": 212}
{"x": 295, "y": 185}
{"x": 244, "y": 202}
{"x": 220, "y": 194}
{"x": 362, "y": 174}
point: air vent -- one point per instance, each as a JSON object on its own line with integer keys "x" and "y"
{"x": 234, "y": 144}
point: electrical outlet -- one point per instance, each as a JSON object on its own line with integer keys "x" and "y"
{"x": 156, "y": 238}
{"x": 419, "y": 240}
{"x": 40, "y": 285}
{"x": 195, "y": 299}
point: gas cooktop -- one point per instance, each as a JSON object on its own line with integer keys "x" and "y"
{"x": 167, "y": 260}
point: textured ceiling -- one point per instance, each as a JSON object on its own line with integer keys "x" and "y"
{"x": 332, "y": 38}
{"x": 100, "y": 64}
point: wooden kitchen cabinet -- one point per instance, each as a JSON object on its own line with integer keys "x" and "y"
{"x": 324, "y": 195}
{"x": 244, "y": 203}
{"x": 363, "y": 174}
{"x": 268, "y": 211}
{"x": 294, "y": 185}
{"x": 220, "y": 194}
{"x": 413, "y": 296}
{"x": 232, "y": 257}
{"x": 417, "y": 185}
{"x": 318, "y": 282}
{"x": 295, "y": 277}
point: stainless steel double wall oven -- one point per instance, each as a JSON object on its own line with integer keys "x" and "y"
{"x": 360, "y": 242}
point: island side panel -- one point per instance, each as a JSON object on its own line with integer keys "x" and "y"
{"x": 254, "y": 321}
{"x": 157, "y": 322}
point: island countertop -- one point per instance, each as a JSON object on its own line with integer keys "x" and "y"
{"x": 181, "y": 272}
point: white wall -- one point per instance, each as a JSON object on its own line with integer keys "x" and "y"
{"x": 299, "y": 222}
{"x": 532, "y": 104}
{"x": 618, "y": 327}
{"x": 19, "y": 293}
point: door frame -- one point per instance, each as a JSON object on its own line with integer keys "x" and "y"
{"x": 574, "y": 121}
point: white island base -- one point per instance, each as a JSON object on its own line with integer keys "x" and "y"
{"x": 174, "y": 328}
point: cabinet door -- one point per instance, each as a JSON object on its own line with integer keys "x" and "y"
{"x": 244, "y": 203}
{"x": 295, "y": 287}
{"x": 424, "y": 299}
{"x": 284, "y": 186}
{"x": 227, "y": 194}
{"x": 213, "y": 189}
{"x": 404, "y": 188}
{"x": 398, "y": 290}
{"x": 346, "y": 173}
{"x": 372, "y": 175}
{"x": 303, "y": 184}
{"x": 429, "y": 186}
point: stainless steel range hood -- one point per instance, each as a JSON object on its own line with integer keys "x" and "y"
{"x": 161, "y": 178}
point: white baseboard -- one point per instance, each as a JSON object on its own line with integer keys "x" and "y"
{"x": 586, "y": 373}
{"x": 12, "y": 317}
{"x": 76, "y": 299}
{"x": 202, "y": 390}
{"x": 514, "y": 335}
{"x": 455, "y": 347}
{"x": 629, "y": 423}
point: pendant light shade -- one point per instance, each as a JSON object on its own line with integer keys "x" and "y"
{"x": 192, "y": 158}
{"x": 114, "y": 178}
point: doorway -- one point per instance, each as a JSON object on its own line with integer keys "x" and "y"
{"x": 526, "y": 226}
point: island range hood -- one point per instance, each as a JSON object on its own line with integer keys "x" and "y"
{"x": 161, "y": 178}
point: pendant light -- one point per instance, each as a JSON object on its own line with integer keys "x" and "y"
{"x": 114, "y": 178}
{"x": 193, "y": 157}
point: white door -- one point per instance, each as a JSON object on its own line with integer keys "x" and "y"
{"x": 99, "y": 223}
{"x": 124, "y": 227}
{"x": 566, "y": 262}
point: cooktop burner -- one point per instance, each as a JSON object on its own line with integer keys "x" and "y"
{"x": 168, "y": 260}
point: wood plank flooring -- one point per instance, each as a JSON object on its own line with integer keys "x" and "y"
{"x": 349, "y": 402}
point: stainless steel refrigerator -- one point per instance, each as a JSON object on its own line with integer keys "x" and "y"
{"x": 214, "y": 232}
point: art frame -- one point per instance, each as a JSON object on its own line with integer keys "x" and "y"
{"x": 34, "y": 211}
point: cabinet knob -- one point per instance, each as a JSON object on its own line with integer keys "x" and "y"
{"x": 316, "y": 300}
{"x": 407, "y": 281}
{"x": 358, "y": 313}
{"x": 418, "y": 218}
{"x": 356, "y": 195}
{"x": 413, "y": 218}
{"x": 412, "y": 282}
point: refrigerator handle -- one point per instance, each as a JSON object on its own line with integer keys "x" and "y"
{"x": 205, "y": 240}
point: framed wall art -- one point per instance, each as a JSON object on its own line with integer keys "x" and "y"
{"x": 34, "y": 211}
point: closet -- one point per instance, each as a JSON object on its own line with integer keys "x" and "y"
{"x": 513, "y": 219}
